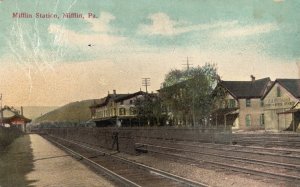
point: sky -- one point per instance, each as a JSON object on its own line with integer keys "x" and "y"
{"x": 54, "y": 61}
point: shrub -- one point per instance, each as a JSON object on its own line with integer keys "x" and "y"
{"x": 8, "y": 135}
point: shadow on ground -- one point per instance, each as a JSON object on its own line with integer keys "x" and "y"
{"x": 16, "y": 161}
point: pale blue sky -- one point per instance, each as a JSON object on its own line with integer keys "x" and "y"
{"x": 148, "y": 38}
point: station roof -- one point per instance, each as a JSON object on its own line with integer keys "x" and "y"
{"x": 246, "y": 89}
{"x": 10, "y": 114}
{"x": 225, "y": 111}
{"x": 116, "y": 98}
{"x": 290, "y": 111}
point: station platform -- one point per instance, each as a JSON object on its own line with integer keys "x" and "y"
{"x": 33, "y": 161}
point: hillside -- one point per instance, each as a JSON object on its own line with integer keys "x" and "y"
{"x": 33, "y": 112}
{"x": 75, "y": 112}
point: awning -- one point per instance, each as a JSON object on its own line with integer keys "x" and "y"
{"x": 114, "y": 118}
{"x": 225, "y": 111}
{"x": 290, "y": 111}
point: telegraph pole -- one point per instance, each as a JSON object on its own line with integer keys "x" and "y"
{"x": 187, "y": 64}
{"x": 193, "y": 98}
{"x": 146, "y": 83}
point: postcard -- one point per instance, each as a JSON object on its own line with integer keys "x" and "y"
{"x": 194, "y": 92}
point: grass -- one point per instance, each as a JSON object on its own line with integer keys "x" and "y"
{"x": 16, "y": 161}
{"x": 8, "y": 135}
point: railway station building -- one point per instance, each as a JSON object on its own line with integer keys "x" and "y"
{"x": 11, "y": 117}
{"x": 116, "y": 109}
{"x": 281, "y": 105}
{"x": 242, "y": 107}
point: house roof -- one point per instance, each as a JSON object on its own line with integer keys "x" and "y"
{"x": 291, "y": 85}
{"x": 17, "y": 116}
{"x": 128, "y": 96}
{"x": 246, "y": 89}
{"x": 116, "y": 98}
{"x": 14, "y": 114}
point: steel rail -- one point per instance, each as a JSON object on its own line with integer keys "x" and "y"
{"x": 270, "y": 163}
{"x": 255, "y": 147}
{"x": 108, "y": 172}
{"x": 234, "y": 150}
{"x": 165, "y": 174}
{"x": 235, "y": 168}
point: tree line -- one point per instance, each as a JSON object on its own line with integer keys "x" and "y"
{"x": 187, "y": 98}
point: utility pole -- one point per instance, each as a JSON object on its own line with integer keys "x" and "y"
{"x": 187, "y": 64}
{"x": 146, "y": 83}
{"x": 193, "y": 98}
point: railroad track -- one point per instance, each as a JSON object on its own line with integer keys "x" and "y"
{"x": 248, "y": 159}
{"x": 291, "y": 141}
{"x": 278, "y": 152}
{"x": 284, "y": 156}
{"x": 238, "y": 164}
{"x": 123, "y": 171}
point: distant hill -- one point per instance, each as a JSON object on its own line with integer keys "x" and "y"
{"x": 33, "y": 112}
{"x": 74, "y": 112}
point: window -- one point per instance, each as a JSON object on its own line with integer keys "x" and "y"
{"x": 130, "y": 102}
{"x": 122, "y": 103}
{"x": 111, "y": 112}
{"x": 262, "y": 120}
{"x": 278, "y": 91}
{"x": 261, "y": 103}
{"x": 248, "y": 120}
{"x": 223, "y": 104}
{"x": 248, "y": 102}
{"x": 122, "y": 111}
{"x": 231, "y": 103}
{"x": 132, "y": 111}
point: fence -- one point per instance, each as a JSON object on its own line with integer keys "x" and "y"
{"x": 128, "y": 136}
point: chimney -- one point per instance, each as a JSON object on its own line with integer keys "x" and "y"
{"x": 114, "y": 91}
{"x": 252, "y": 78}
{"x": 21, "y": 111}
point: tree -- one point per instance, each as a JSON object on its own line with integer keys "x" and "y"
{"x": 149, "y": 109}
{"x": 188, "y": 93}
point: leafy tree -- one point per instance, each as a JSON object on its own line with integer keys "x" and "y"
{"x": 188, "y": 93}
{"x": 149, "y": 109}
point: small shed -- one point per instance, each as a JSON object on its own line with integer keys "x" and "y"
{"x": 13, "y": 117}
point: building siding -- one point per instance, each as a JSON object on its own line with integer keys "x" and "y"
{"x": 274, "y": 105}
{"x": 255, "y": 111}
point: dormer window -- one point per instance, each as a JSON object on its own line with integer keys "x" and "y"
{"x": 278, "y": 91}
{"x": 122, "y": 102}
